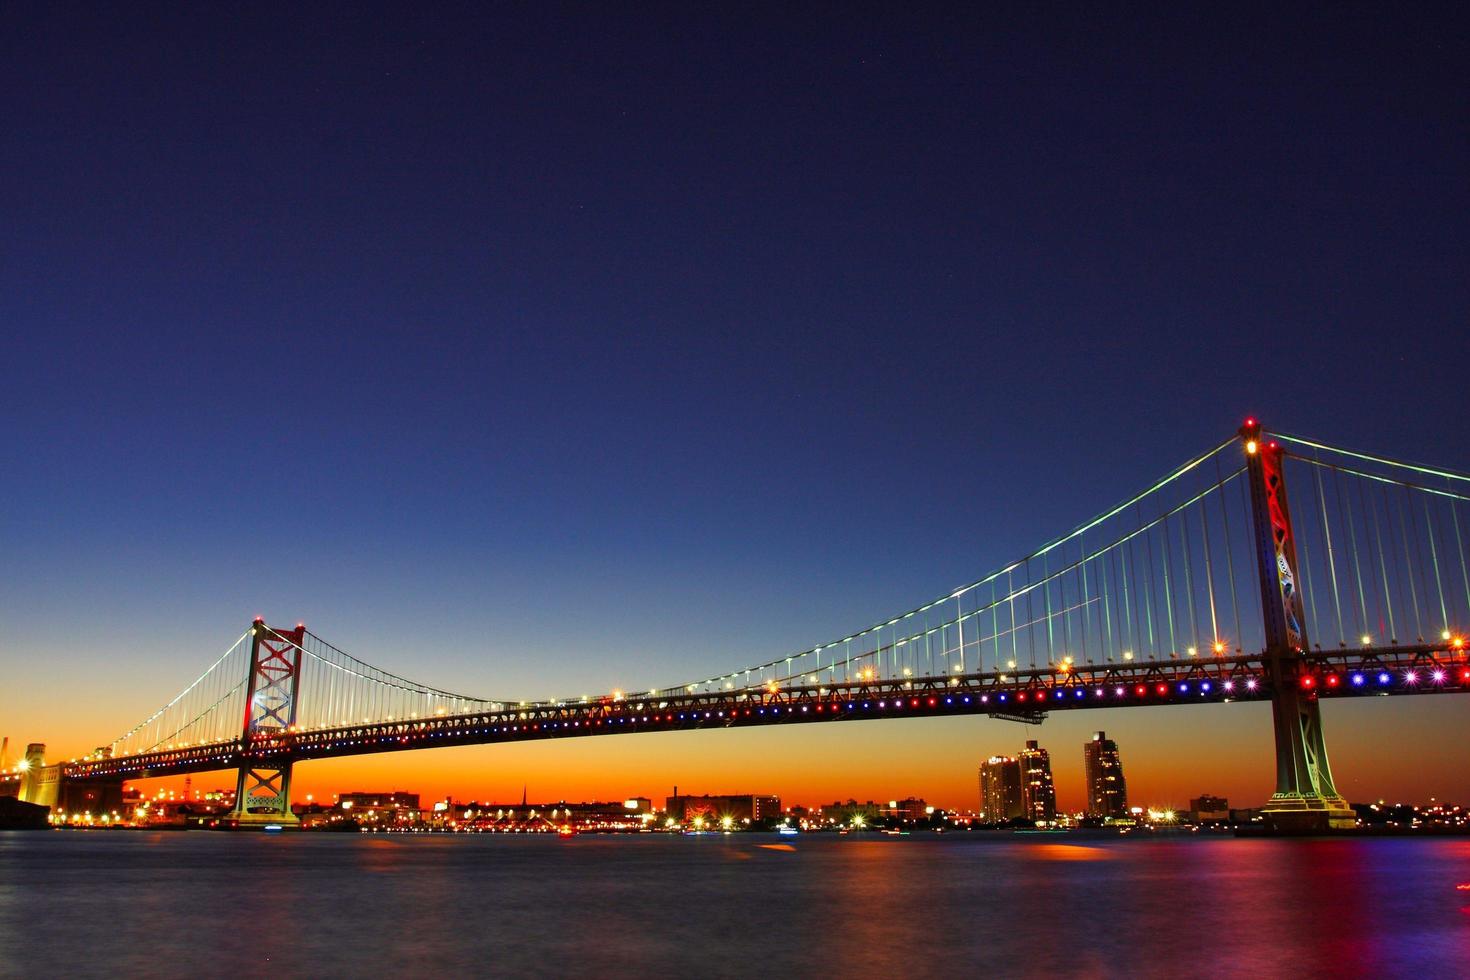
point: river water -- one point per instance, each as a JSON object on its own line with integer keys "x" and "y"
{"x": 204, "y": 904}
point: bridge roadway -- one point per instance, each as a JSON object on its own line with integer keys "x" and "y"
{"x": 1021, "y": 695}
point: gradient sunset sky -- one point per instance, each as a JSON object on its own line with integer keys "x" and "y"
{"x": 548, "y": 350}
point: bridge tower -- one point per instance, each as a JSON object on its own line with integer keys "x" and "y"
{"x": 1305, "y": 799}
{"x": 39, "y": 783}
{"x": 263, "y": 790}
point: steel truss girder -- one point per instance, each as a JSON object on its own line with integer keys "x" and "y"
{"x": 602, "y": 718}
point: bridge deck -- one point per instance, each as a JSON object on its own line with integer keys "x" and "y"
{"x": 1364, "y": 672}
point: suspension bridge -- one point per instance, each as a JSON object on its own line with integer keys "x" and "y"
{"x": 1206, "y": 587}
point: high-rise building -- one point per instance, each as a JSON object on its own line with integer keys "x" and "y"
{"x": 1000, "y": 789}
{"x": 1107, "y": 794}
{"x": 1038, "y": 795}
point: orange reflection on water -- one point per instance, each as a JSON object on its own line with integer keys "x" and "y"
{"x": 1066, "y": 852}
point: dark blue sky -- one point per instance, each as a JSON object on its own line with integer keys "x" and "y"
{"x": 657, "y": 342}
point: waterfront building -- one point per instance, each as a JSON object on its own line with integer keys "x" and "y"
{"x": 739, "y": 808}
{"x": 1107, "y": 793}
{"x": 1038, "y": 795}
{"x": 1000, "y": 789}
{"x": 850, "y": 814}
{"x": 1208, "y": 807}
{"x": 380, "y": 808}
{"x": 911, "y": 810}
{"x": 524, "y": 817}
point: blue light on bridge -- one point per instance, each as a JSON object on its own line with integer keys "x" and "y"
{"x": 1383, "y": 677}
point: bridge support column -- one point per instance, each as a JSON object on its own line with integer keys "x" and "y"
{"x": 1306, "y": 800}
{"x": 263, "y": 789}
{"x": 39, "y": 784}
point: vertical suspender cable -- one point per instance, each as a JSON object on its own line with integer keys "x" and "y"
{"x": 1169, "y": 589}
{"x": 1460, "y": 548}
{"x": 1051, "y": 654}
{"x": 1011, "y": 597}
{"x": 1189, "y": 579}
{"x": 1345, "y": 507}
{"x": 1204, "y": 515}
{"x": 1372, "y": 509}
{"x": 1411, "y": 563}
{"x": 1148, "y": 582}
{"x": 1331, "y": 559}
{"x": 1444, "y": 615}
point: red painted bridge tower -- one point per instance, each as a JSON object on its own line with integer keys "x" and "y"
{"x": 263, "y": 790}
{"x": 1305, "y": 799}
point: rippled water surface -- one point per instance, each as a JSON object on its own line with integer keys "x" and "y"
{"x": 203, "y": 904}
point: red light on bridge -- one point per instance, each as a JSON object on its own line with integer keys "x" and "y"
{"x": 1331, "y": 680}
{"x": 1307, "y": 682}
{"x": 1141, "y": 690}
{"x": 1163, "y": 689}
